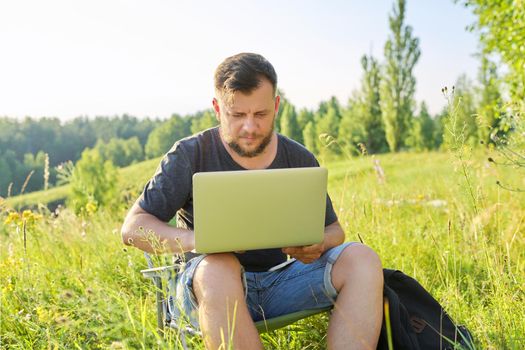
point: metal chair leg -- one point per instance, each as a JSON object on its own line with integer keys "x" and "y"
{"x": 159, "y": 295}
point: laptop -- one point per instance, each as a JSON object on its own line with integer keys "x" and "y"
{"x": 258, "y": 209}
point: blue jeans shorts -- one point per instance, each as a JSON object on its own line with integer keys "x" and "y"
{"x": 293, "y": 287}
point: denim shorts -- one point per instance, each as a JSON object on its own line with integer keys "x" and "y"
{"x": 293, "y": 287}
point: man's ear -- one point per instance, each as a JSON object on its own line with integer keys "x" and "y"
{"x": 277, "y": 103}
{"x": 217, "y": 109}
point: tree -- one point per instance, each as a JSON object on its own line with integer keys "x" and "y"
{"x": 440, "y": 120}
{"x": 6, "y": 177}
{"x": 63, "y": 142}
{"x": 303, "y": 117}
{"x": 288, "y": 124}
{"x": 398, "y": 84}
{"x": 422, "y": 132}
{"x": 501, "y": 32}
{"x": 162, "y": 137}
{"x": 428, "y": 127}
{"x": 328, "y": 125}
{"x": 121, "y": 152}
{"x": 133, "y": 150}
{"x": 282, "y": 106}
{"x": 310, "y": 137}
{"x": 203, "y": 121}
{"x": 490, "y": 106}
{"x": 333, "y": 103}
{"x": 35, "y": 165}
{"x": 93, "y": 182}
{"x": 500, "y": 25}
{"x": 368, "y": 106}
{"x": 352, "y": 130}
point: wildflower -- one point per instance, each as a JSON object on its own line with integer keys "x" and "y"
{"x": 13, "y": 217}
{"x": 31, "y": 217}
{"x": 7, "y": 288}
{"x": 91, "y": 208}
{"x": 18, "y": 219}
{"x": 44, "y": 315}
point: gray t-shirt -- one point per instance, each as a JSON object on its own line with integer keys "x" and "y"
{"x": 169, "y": 192}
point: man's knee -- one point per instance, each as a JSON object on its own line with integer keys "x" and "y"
{"x": 356, "y": 261}
{"x": 216, "y": 272}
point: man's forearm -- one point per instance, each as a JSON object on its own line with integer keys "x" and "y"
{"x": 333, "y": 235}
{"x": 146, "y": 232}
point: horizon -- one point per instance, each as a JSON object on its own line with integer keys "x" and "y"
{"x": 109, "y": 59}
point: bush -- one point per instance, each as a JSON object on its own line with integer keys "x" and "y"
{"x": 93, "y": 183}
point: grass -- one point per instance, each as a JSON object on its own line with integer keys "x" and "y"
{"x": 75, "y": 285}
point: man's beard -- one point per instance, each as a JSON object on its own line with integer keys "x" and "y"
{"x": 250, "y": 154}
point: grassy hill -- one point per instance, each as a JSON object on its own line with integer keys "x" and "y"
{"x": 70, "y": 283}
{"x": 132, "y": 176}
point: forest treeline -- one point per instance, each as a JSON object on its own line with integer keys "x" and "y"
{"x": 380, "y": 116}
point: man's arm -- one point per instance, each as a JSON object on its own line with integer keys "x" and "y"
{"x": 146, "y": 232}
{"x": 333, "y": 236}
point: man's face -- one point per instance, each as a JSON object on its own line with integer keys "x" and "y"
{"x": 247, "y": 123}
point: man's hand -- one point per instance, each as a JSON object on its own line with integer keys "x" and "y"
{"x": 306, "y": 254}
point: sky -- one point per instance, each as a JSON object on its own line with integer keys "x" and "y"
{"x": 66, "y": 58}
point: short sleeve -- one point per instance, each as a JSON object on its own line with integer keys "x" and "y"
{"x": 330, "y": 216}
{"x": 169, "y": 189}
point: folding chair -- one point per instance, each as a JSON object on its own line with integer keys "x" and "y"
{"x": 164, "y": 280}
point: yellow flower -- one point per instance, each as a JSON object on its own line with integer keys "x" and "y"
{"x": 18, "y": 219}
{"x": 91, "y": 207}
{"x": 43, "y": 314}
{"x": 8, "y": 287}
{"x": 13, "y": 217}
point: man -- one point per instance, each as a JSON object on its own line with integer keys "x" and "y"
{"x": 213, "y": 286}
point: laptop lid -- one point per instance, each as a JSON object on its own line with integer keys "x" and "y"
{"x": 258, "y": 209}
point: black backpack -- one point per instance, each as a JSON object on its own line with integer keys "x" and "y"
{"x": 417, "y": 320}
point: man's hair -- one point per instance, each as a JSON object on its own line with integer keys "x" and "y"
{"x": 243, "y": 72}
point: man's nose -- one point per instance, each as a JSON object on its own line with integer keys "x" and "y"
{"x": 250, "y": 125}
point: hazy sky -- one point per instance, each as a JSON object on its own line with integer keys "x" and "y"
{"x": 66, "y": 58}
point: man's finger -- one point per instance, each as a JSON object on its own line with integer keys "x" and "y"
{"x": 292, "y": 250}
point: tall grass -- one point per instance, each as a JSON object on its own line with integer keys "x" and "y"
{"x": 75, "y": 286}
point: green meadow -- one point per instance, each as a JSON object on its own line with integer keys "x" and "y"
{"x": 68, "y": 282}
